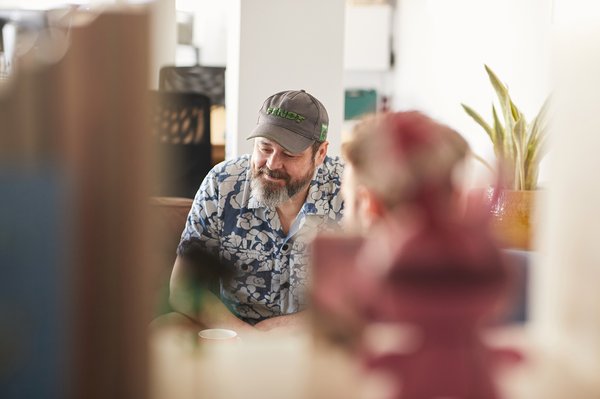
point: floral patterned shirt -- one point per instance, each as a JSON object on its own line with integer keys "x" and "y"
{"x": 270, "y": 267}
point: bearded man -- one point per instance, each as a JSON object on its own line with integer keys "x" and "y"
{"x": 259, "y": 213}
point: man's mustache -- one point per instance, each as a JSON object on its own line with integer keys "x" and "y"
{"x": 276, "y": 174}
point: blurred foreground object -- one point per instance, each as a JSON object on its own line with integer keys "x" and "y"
{"x": 441, "y": 283}
{"x": 74, "y": 140}
{"x": 204, "y": 272}
{"x": 566, "y": 298}
{"x": 424, "y": 266}
{"x": 395, "y": 160}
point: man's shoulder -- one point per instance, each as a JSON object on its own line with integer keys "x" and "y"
{"x": 229, "y": 165}
{"x": 232, "y": 167}
{"x": 331, "y": 170}
{"x": 328, "y": 185}
{"x": 333, "y": 161}
{"x": 224, "y": 176}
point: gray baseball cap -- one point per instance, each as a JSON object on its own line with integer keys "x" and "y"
{"x": 293, "y": 119}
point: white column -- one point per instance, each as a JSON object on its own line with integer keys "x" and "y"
{"x": 276, "y": 45}
{"x": 163, "y": 37}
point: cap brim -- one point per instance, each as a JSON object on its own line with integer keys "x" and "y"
{"x": 290, "y": 141}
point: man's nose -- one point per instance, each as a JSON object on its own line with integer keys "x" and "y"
{"x": 274, "y": 162}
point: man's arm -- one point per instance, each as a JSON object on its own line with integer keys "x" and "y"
{"x": 286, "y": 323}
{"x": 211, "y": 312}
{"x": 203, "y": 227}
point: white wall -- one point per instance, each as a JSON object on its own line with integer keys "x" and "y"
{"x": 210, "y": 28}
{"x": 367, "y": 52}
{"x": 278, "y": 45}
{"x": 441, "y": 47}
{"x": 367, "y": 37}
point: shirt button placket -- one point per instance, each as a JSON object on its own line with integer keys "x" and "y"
{"x": 285, "y": 269}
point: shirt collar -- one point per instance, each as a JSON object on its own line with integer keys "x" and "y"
{"x": 315, "y": 193}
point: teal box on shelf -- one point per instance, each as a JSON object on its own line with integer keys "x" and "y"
{"x": 358, "y": 102}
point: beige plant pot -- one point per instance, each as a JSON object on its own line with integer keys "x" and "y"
{"x": 512, "y": 217}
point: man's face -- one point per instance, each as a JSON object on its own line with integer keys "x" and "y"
{"x": 278, "y": 175}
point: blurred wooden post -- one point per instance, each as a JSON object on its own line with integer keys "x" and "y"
{"x": 87, "y": 115}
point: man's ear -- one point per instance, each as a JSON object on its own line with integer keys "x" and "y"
{"x": 321, "y": 152}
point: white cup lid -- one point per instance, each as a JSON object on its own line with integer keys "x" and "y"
{"x": 217, "y": 333}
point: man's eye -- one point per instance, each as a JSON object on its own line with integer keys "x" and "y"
{"x": 265, "y": 149}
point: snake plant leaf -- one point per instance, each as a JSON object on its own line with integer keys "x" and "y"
{"x": 535, "y": 148}
{"x": 530, "y": 151}
{"x": 541, "y": 147}
{"x": 502, "y": 93}
{"x": 499, "y": 144}
{"x": 509, "y": 137}
{"x": 516, "y": 113}
{"x": 518, "y": 145}
{"x": 531, "y": 177}
{"x": 518, "y": 133}
{"x": 540, "y": 119}
{"x": 538, "y": 152}
{"x": 543, "y": 113}
{"x": 538, "y": 148}
{"x": 477, "y": 118}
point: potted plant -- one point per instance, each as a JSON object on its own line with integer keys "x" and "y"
{"x": 519, "y": 146}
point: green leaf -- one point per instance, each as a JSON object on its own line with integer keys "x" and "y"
{"x": 509, "y": 138}
{"x": 542, "y": 146}
{"x": 516, "y": 114}
{"x": 518, "y": 140}
{"x": 518, "y": 145}
{"x": 520, "y": 134}
{"x": 500, "y": 145}
{"x": 502, "y": 93}
{"x": 539, "y": 149}
{"x": 531, "y": 149}
{"x": 477, "y": 118}
{"x": 538, "y": 127}
{"x": 531, "y": 177}
{"x": 537, "y": 136}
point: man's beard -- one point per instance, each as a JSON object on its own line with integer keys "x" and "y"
{"x": 272, "y": 194}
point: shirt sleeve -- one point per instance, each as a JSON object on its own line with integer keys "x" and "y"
{"x": 203, "y": 223}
